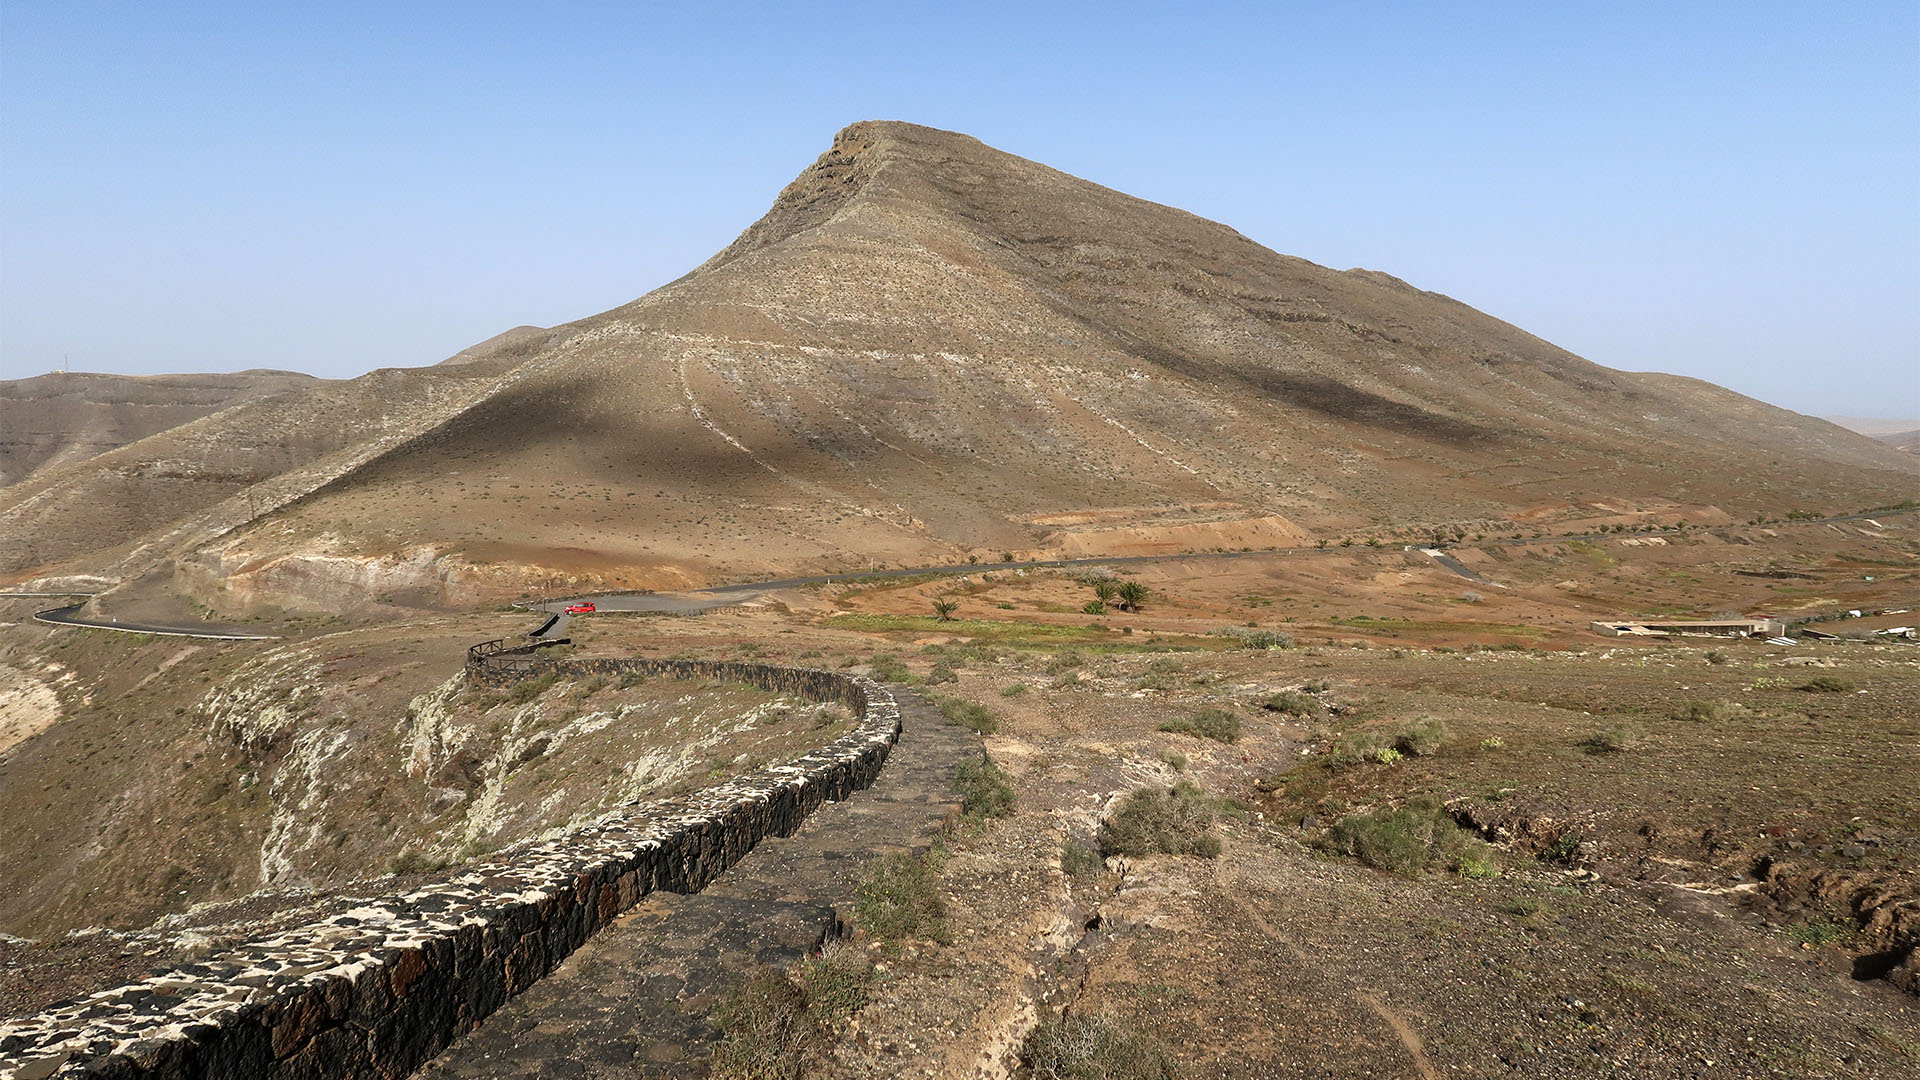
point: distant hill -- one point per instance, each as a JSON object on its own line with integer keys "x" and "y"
{"x": 1869, "y": 426}
{"x": 71, "y": 416}
{"x": 927, "y": 349}
{"x": 1902, "y": 440}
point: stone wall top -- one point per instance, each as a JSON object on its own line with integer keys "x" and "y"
{"x": 376, "y": 991}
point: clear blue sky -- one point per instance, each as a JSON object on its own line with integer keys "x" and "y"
{"x": 1728, "y": 191}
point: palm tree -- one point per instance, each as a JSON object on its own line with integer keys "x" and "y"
{"x": 1131, "y": 595}
{"x": 1103, "y": 591}
{"x": 943, "y": 609}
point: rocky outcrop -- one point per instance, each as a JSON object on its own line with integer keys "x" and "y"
{"x": 379, "y": 989}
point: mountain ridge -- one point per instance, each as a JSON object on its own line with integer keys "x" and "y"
{"x": 925, "y": 348}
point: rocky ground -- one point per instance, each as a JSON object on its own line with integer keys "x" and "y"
{"x": 1456, "y": 835}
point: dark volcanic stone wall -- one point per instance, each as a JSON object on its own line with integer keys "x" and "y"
{"x": 378, "y": 990}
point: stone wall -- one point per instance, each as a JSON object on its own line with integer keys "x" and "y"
{"x": 378, "y": 990}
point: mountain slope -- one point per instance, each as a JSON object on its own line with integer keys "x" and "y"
{"x": 928, "y": 348}
{"x": 70, "y": 416}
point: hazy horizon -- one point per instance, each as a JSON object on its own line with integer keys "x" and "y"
{"x": 1726, "y": 195}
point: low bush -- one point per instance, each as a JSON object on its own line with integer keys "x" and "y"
{"x": 1064, "y": 661}
{"x": 1412, "y": 838}
{"x": 527, "y": 689}
{"x": 1081, "y": 862}
{"x": 1013, "y": 689}
{"x": 783, "y": 1024}
{"x": 968, "y": 714}
{"x": 900, "y": 899}
{"x": 985, "y": 789}
{"x": 1265, "y": 639}
{"x": 887, "y": 668}
{"x": 1169, "y": 821}
{"x": 1826, "y": 684}
{"x": 1293, "y": 703}
{"x": 941, "y": 673}
{"x": 1219, "y": 725}
{"x": 1615, "y": 739}
{"x": 1093, "y": 1047}
{"x": 1707, "y": 711}
{"x": 1162, "y": 673}
{"x": 1420, "y": 737}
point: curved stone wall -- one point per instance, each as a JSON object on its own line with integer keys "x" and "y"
{"x": 378, "y": 990}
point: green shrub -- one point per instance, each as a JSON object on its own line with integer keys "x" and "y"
{"x": 984, "y": 787}
{"x": 1493, "y": 742}
{"x": 1064, "y": 661}
{"x": 1411, "y": 838}
{"x": 1093, "y": 607}
{"x": 1170, "y": 821}
{"x": 1384, "y": 746}
{"x": 1175, "y": 760}
{"x": 1265, "y": 639}
{"x": 1013, "y": 689}
{"x": 1826, "y": 684}
{"x": 1293, "y": 703}
{"x": 1216, "y": 724}
{"x": 1094, "y": 1047}
{"x": 1161, "y": 673}
{"x": 941, "y": 672}
{"x": 1564, "y": 849}
{"x": 968, "y": 714}
{"x": 1081, "y": 862}
{"x": 527, "y": 689}
{"x": 1421, "y": 737}
{"x": 1819, "y": 932}
{"x": 887, "y": 668}
{"x": 900, "y": 899}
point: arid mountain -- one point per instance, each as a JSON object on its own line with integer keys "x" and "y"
{"x": 1908, "y": 441}
{"x": 926, "y": 349}
{"x": 71, "y": 416}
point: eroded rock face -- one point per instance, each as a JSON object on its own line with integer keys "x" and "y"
{"x": 28, "y": 703}
{"x": 377, "y": 990}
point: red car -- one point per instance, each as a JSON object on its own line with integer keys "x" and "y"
{"x": 579, "y": 609}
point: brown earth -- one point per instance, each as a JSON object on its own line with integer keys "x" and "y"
{"x": 1698, "y": 902}
{"x": 926, "y": 349}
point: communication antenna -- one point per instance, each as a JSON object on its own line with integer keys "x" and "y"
{"x": 63, "y": 363}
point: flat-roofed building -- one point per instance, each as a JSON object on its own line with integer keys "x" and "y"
{"x": 1762, "y": 628}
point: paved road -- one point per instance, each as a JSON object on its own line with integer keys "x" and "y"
{"x": 695, "y": 601}
{"x": 64, "y": 616}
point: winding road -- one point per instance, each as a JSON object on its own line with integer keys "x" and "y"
{"x": 695, "y": 601}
